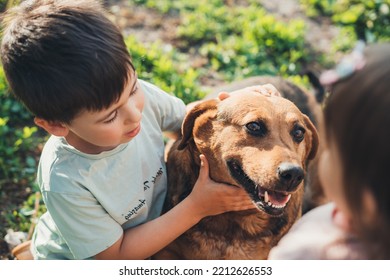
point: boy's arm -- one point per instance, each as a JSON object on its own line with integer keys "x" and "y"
{"x": 207, "y": 198}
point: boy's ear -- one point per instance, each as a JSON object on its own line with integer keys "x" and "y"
{"x": 52, "y": 127}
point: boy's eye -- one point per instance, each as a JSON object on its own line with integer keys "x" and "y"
{"x": 112, "y": 118}
{"x": 134, "y": 91}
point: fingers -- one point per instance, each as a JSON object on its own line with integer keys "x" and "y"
{"x": 204, "y": 168}
{"x": 215, "y": 198}
{"x": 243, "y": 207}
{"x": 266, "y": 89}
{"x": 223, "y": 95}
{"x": 235, "y": 198}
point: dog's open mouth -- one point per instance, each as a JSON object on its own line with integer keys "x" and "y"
{"x": 271, "y": 202}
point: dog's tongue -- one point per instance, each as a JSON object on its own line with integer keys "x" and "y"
{"x": 276, "y": 198}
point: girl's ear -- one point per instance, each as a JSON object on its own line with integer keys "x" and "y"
{"x": 369, "y": 206}
{"x": 52, "y": 127}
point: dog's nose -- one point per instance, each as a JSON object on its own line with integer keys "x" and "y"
{"x": 290, "y": 175}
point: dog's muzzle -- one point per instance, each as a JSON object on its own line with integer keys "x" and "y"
{"x": 272, "y": 202}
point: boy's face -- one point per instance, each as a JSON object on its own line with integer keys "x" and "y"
{"x": 95, "y": 132}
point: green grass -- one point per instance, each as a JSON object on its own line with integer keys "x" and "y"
{"x": 368, "y": 20}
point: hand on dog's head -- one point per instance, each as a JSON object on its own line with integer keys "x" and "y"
{"x": 267, "y": 89}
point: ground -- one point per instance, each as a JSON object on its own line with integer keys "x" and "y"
{"x": 148, "y": 26}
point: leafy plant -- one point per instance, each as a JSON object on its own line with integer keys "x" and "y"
{"x": 19, "y": 149}
{"x": 17, "y": 140}
{"x": 164, "y": 6}
{"x": 252, "y": 43}
{"x": 165, "y": 68}
{"x": 238, "y": 40}
{"x": 4, "y": 4}
{"x": 369, "y": 19}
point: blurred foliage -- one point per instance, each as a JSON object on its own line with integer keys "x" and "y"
{"x": 259, "y": 45}
{"x": 17, "y": 141}
{"x": 19, "y": 151}
{"x": 165, "y": 6}
{"x": 4, "y": 4}
{"x": 368, "y": 20}
{"x": 20, "y": 219}
{"x": 243, "y": 40}
{"x": 166, "y": 69}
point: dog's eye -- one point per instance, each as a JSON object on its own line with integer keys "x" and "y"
{"x": 298, "y": 133}
{"x": 256, "y": 128}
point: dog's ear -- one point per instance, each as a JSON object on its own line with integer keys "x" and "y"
{"x": 314, "y": 138}
{"x": 189, "y": 120}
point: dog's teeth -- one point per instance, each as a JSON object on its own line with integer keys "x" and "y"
{"x": 266, "y": 198}
{"x": 268, "y": 201}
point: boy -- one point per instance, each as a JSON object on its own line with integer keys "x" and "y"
{"x": 102, "y": 174}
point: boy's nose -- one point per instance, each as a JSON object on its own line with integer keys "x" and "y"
{"x": 132, "y": 113}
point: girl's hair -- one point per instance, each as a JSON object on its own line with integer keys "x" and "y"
{"x": 61, "y": 57}
{"x": 357, "y": 119}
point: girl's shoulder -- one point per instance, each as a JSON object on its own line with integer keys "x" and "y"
{"x": 315, "y": 236}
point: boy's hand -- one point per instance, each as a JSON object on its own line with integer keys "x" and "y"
{"x": 211, "y": 198}
{"x": 267, "y": 89}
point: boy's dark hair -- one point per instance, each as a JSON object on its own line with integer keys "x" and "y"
{"x": 61, "y": 57}
{"x": 357, "y": 119}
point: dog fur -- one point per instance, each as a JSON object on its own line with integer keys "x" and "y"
{"x": 249, "y": 140}
{"x": 310, "y": 104}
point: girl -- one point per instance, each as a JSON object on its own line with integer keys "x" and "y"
{"x": 353, "y": 167}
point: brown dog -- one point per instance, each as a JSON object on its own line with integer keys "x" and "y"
{"x": 309, "y": 103}
{"x": 256, "y": 142}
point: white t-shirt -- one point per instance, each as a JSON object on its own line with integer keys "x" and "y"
{"x": 91, "y": 199}
{"x": 316, "y": 237}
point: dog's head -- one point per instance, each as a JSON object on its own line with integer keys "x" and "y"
{"x": 257, "y": 142}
